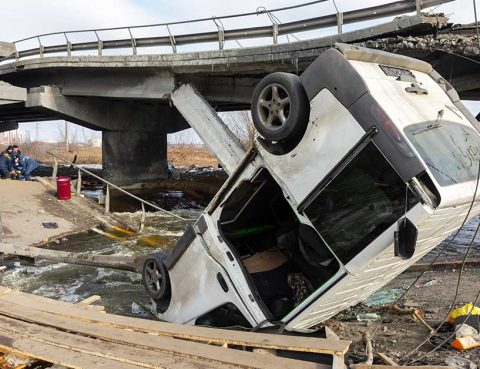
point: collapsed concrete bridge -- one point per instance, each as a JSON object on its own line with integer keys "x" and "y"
{"x": 136, "y": 101}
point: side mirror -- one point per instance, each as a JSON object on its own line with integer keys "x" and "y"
{"x": 405, "y": 239}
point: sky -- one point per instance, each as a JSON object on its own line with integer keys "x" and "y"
{"x": 27, "y": 18}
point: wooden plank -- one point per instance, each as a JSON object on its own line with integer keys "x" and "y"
{"x": 166, "y": 345}
{"x": 120, "y": 354}
{"x": 386, "y": 359}
{"x": 57, "y": 355}
{"x": 100, "y": 261}
{"x": 211, "y": 335}
{"x": 90, "y": 300}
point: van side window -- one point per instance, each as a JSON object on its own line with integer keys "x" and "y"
{"x": 360, "y": 203}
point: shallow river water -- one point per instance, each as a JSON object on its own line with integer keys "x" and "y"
{"x": 119, "y": 289}
{"x": 72, "y": 283}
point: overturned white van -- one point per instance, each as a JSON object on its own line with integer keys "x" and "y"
{"x": 364, "y": 164}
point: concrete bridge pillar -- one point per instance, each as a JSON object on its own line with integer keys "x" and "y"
{"x": 134, "y": 132}
{"x": 134, "y": 156}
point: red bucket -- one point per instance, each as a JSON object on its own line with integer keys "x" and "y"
{"x": 63, "y": 188}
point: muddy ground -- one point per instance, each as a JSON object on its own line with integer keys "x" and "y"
{"x": 398, "y": 335}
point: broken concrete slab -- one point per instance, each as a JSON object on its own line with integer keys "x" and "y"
{"x": 7, "y": 49}
{"x": 11, "y": 94}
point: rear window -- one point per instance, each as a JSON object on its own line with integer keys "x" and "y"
{"x": 450, "y": 150}
{"x": 365, "y": 199}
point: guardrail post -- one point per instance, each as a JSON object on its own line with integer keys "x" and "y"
{"x": 99, "y": 44}
{"x": 41, "y": 49}
{"x": 55, "y": 169}
{"x": 107, "y": 200}
{"x": 275, "y": 33}
{"x": 221, "y": 39}
{"x": 134, "y": 43}
{"x": 418, "y": 6}
{"x": 142, "y": 218}
{"x": 69, "y": 45}
{"x": 339, "y": 22}
{"x": 172, "y": 40}
{"x": 79, "y": 182}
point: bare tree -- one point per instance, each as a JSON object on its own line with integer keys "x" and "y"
{"x": 241, "y": 124}
{"x": 181, "y": 148}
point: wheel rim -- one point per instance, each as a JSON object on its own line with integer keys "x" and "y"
{"x": 153, "y": 277}
{"x": 274, "y": 106}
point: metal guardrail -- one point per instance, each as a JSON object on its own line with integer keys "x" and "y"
{"x": 274, "y": 30}
{"x": 108, "y": 185}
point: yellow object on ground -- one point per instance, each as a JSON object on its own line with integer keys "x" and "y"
{"x": 124, "y": 231}
{"x": 154, "y": 240}
{"x": 463, "y": 311}
{"x": 109, "y": 235}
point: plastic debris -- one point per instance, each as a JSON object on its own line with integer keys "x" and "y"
{"x": 430, "y": 282}
{"x": 383, "y": 297}
{"x": 463, "y": 311}
{"x": 50, "y": 225}
{"x": 139, "y": 310}
{"x": 367, "y": 317}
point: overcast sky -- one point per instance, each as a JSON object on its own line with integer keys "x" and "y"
{"x": 24, "y": 18}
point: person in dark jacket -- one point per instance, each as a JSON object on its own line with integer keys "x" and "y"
{"x": 15, "y": 151}
{"x": 6, "y": 162}
{"x": 28, "y": 165}
{"x": 18, "y": 169}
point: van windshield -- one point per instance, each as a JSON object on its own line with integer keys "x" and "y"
{"x": 450, "y": 150}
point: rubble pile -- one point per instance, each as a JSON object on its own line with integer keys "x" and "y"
{"x": 466, "y": 45}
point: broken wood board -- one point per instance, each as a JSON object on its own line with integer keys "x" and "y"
{"x": 202, "y": 334}
{"x": 128, "y": 263}
{"x": 154, "y": 344}
{"x": 88, "y": 349}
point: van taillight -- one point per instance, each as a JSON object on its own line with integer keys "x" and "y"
{"x": 385, "y": 124}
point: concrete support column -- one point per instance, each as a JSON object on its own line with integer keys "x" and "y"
{"x": 134, "y": 156}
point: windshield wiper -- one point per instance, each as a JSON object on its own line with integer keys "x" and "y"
{"x": 427, "y": 128}
{"x": 434, "y": 125}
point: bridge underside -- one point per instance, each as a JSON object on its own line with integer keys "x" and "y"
{"x": 129, "y": 98}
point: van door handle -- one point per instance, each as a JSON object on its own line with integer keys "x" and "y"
{"x": 415, "y": 88}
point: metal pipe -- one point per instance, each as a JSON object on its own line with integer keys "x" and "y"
{"x": 117, "y": 187}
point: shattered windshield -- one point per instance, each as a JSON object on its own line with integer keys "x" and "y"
{"x": 450, "y": 150}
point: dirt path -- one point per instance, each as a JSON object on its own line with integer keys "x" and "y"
{"x": 24, "y": 206}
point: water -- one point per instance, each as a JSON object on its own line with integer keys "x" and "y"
{"x": 73, "y": 283}
{"x": 119, "y": 289}
{"x": 460, "y": 245}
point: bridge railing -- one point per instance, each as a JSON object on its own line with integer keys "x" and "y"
{"x": 273, "y": 30}
{"x": 108, "y": 185}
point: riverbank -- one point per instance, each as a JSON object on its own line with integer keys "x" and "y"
{"x": 31, "y": 214}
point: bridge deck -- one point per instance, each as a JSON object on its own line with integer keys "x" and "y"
{"x": 77, "y": 336}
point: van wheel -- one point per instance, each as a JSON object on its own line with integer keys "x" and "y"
{"x": 155, "y": 276}
{"x": 280, "y": 107}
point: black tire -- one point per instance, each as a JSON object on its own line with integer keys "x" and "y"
{"x": 280, "y": 107}
{"x": 155, "y": 277}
